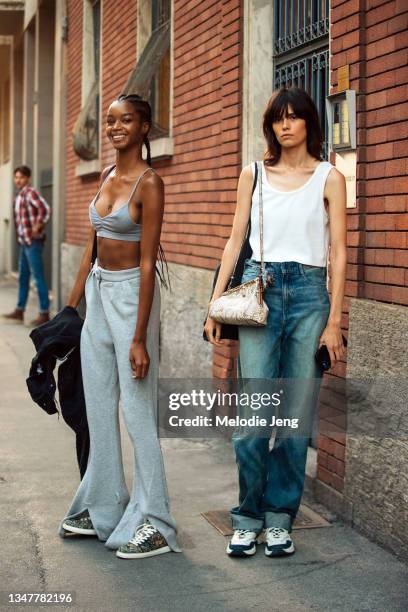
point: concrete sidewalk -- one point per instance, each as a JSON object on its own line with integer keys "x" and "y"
{"x": 334, "y": 568}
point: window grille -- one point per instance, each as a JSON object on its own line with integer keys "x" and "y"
{"x": 301, "y": 51}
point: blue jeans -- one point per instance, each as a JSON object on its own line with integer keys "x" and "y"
{"x": 271, "y": 481}
{"x": 31, "y": 262}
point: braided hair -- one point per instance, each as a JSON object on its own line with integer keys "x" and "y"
{"x": 145, "y": 112}
{"x": 144, "y": 109}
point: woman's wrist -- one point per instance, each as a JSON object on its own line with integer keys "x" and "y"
{"x": 72, "y": 303}
{"x": 334, "y": 322}
{"x": 139, "y": 339}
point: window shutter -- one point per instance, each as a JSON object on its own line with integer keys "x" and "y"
{"x": 142, "y": 74}
{"x": 85, "y": 132}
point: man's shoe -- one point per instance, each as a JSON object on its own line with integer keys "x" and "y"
{"x": 243, "y": 543}
{"x": 43, "y": 317}
{"x": 278, "y": 542}
{"x": 147, "y": 542}
{"x": 80, "y": 524}
{"x": 17, "y": 316}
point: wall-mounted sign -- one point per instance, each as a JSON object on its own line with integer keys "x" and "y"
{"x": 343, "y": 78}
{"x": 346, "y": 163}
{"x": 341, "y": 118}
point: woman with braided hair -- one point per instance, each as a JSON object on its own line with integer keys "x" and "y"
{"x": 120, "y": 347}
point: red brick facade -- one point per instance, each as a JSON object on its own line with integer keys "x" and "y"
{"x": 118, "y": 42}
{"x": 76, "y": 222}
{"x": 371, "y": 36}
{"x": 201, "y": 177}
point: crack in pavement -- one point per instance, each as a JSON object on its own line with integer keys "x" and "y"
{"x": 41, "y": 571}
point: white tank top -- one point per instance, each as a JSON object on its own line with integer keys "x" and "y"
{"x": 296, "y": 224}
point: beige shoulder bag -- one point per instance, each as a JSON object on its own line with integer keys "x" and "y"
{"x": 244, "y": 305}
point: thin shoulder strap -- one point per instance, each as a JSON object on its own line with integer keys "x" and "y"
{"x": 104, "y": 180}
{"x": 139, "y": 179}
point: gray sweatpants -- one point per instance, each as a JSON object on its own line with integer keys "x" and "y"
{"x": 112, "y": 301}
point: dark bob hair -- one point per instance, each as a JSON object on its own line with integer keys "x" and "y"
{"x": 304, "y": 107}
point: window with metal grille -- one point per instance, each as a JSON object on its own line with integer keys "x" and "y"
{"x": 301, "y": 50}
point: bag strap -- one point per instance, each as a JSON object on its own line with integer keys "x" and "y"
{"x": 261, "y": 224}
{"x": 248, "y": 226}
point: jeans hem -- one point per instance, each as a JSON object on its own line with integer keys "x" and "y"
{"x": 278, "y": 519}
{"x": 240, "y": 521}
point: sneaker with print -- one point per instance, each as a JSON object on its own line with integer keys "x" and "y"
{"x": 81, "y": 524}
{"x": 147, "y": 542}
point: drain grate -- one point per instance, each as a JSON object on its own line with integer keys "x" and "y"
{"x": 306, "y": 518}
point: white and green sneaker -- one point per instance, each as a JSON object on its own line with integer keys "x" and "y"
{"x": 147, "y": 542}
{"x": 81, "y": 524}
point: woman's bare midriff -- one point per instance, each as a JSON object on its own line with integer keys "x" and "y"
{"x": 118, "y": 254}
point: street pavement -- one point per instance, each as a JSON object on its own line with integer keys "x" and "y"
{"x": 335, "y": 568}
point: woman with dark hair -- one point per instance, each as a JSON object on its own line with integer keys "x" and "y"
{"x": 304, "y": 212}
{"x": 120, "y": 347}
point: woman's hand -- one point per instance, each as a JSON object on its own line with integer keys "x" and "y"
{"x": 139, "y": 359}
{"x": 213, "y": 330}
{"x": 333, "y": 340}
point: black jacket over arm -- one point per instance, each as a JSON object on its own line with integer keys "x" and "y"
{"x": 60, "y": 338}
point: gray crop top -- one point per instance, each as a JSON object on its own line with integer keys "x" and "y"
{"x": 118, "y": 225}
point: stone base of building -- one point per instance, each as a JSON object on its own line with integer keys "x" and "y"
{"x": 375, "y": 499}
{"x": 184, "y": 353}
{"x": 71, "y": 256}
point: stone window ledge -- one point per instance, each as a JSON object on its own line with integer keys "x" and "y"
{"x": 162, "y": 148}
{"x": 87, "y": 168}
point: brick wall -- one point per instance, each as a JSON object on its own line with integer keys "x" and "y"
{"x": 202, "y": 176}
{"x": 118, "y": 59}
{"x": 77, "y": 193}
{"x": 371, "y": 36}
{"x": 118, "y": 43}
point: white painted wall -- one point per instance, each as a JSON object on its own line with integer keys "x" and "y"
{"x": 6, "y": 216}
{"x": 257, "y": 75}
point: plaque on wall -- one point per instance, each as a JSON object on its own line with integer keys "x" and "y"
{"x": 346, "y": 163}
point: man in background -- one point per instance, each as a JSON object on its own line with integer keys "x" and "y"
{"x": 31, "y": 213}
